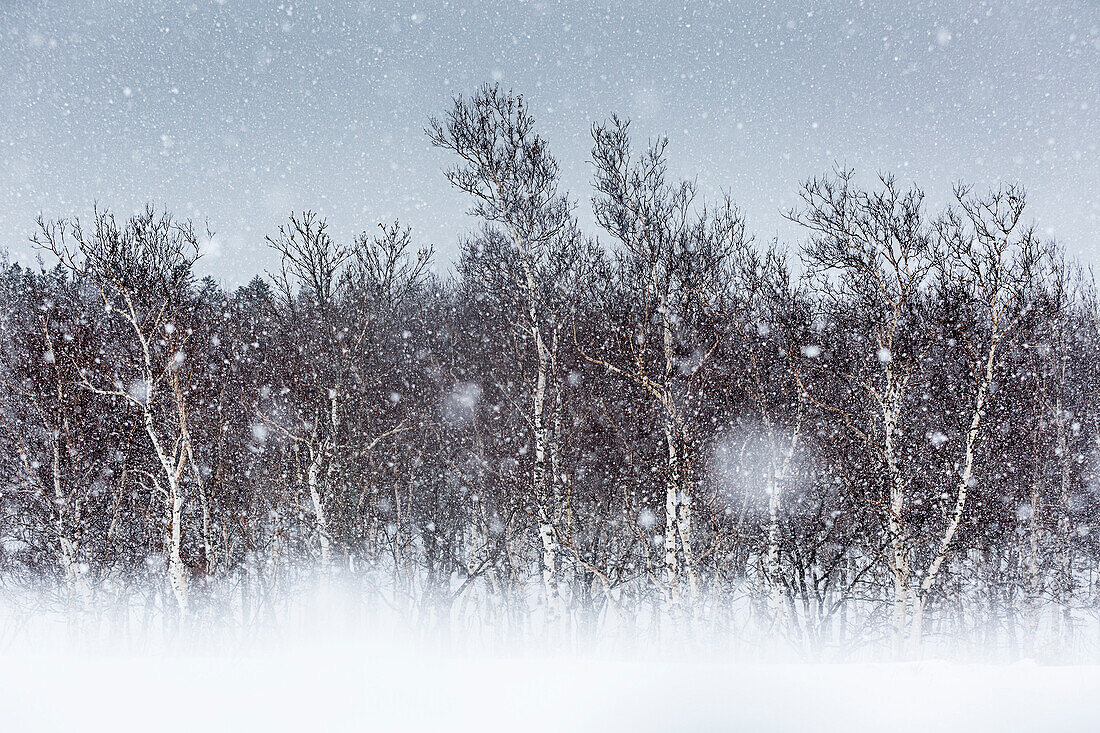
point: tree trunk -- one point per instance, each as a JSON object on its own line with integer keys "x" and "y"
{"x": 313, "y": 473}
{"x": 672, "y": 502}
{"x": 177, "y": 576}
{"x": 176, "y": 572}
{"x": 961, "y": 490}
{"x": 539, "y": 479}
{"x": 899, "y": 563}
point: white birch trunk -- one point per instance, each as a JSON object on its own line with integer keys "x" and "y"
{"x": 683, "y": 530}
{"x": 771, "y": 557}
{"x": 546, "y": 506}
{"x": 539, "y": 476}
{"x": 678, "y": 539}
{"x": 313, "y": 476}
{"x": 177, "y": 575}
{"x": 961, "y": 490}
{"x": 207, "y": 542}
{"x": 899, "y": 552}
{"x": 176, "y": 571}
{"x": 672, "y": 501}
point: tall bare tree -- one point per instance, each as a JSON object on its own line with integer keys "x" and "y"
{"x": 142, "y": 271}
{"x": 674, "y": 268}
{"x": 508, "y": 170}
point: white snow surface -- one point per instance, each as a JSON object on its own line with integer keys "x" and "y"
{"x": 357, "y": 689}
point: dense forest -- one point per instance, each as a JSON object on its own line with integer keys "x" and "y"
{"x": 881, "y": 436}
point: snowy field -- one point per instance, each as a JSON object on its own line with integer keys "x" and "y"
{"x": 356, "y": 690}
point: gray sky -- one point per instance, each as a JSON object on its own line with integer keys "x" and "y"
{"x": 238, "y": 112}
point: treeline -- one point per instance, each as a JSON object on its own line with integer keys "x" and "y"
{"x": 885, "y": 433}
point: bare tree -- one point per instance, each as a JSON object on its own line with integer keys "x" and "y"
{"x": 674, "y": 268}
{"x": 508, "y": 170}
{"x": 992, "y": 259}
{"x": 873, "y": 254}
{"x": 142, "y": 271}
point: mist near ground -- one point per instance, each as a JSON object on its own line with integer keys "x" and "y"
{"x": 326, "y": 664}
{"x": 333, "y": 668}
{"x": 357, "y": 689}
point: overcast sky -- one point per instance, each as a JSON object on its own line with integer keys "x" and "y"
{"x": 237, "y": 112}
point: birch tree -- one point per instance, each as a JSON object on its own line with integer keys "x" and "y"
{"x": 766, "y": 316}
{"x": 334, "y": 297}
{"x": 676, "y": 259}
{"x": 991, "y": 258}
{"x": 508, "y": 170}
{"x": 142, "y": 271}
{"x": 48, "y": 425}
{"x": 872, "y": 255}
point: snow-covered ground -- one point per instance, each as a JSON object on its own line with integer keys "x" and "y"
{"x": 354, "y": 689}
